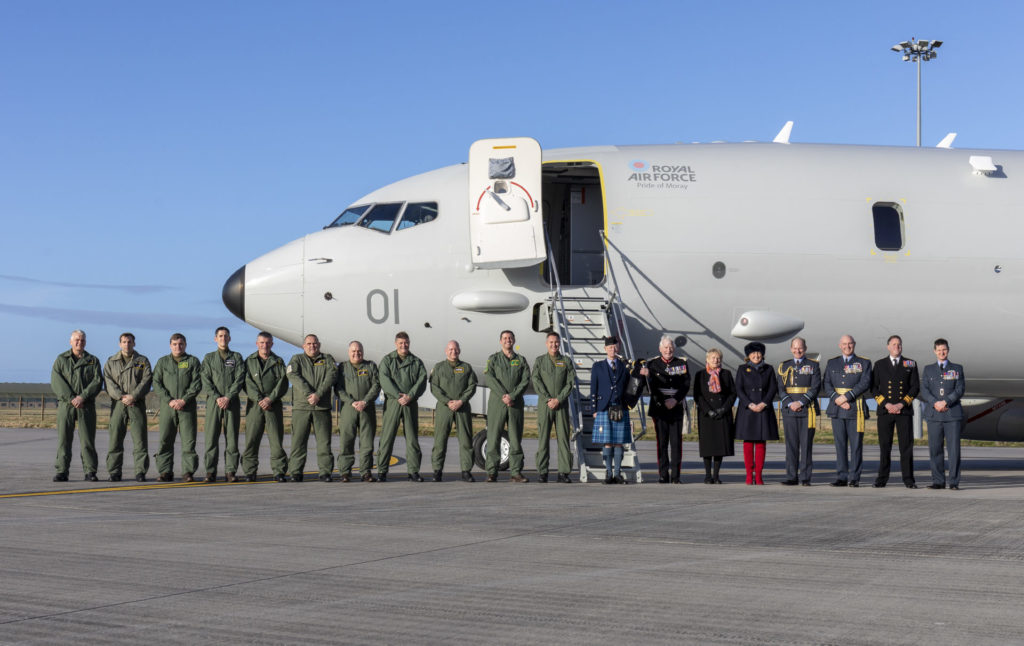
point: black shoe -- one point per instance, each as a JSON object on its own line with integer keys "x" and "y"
{"x": 91, "y": 477}
{"x": 382, "y": 477}
{"x": 542, "y": 477}
{"x": 878, "y": 485}
{"x": 165, "y": 477}
{"x": 492, "y": 477}
{"x": 231, "y": 477}
{"x": 140, "y": 477}
{"x": 564, "y": 477}
{"x": 368, "y": 477}
{"x": 438, "y": 476}
{"x": 854, "y": 483}
{"x": 60, "y": 477}
{"x": 297, "y": 477}
{"x": 937, "y": 486}
{"x": 280, "y": 478}
{"x": 467, "y": 477}
{"x": 910, "y": 485}
{"x": 838, "y": 483}
{"x": 609, "y": 480}
{"x": 674, "y": 480}
{"x": 789, "y": 483}
{"x": 416, "y": 477}
{"x": 325, "y": 477}
{"x": 249, "y": 477}
{"x": 210, "y": 478}
{"x": 708, "y": 479}
{"x": 955, "y": 487}
{"x": 805, "y": 483}
{"x": 346, "y": 477}
{"x": 115, "y": 477}
{"x": 621, "y": 479}
{"x": 663, "y": 480}
{"x": 717, "y": 480}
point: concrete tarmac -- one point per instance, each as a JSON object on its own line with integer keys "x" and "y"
{"x": 436, "y": 563}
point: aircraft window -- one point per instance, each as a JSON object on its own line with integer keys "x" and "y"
{"x": 349, "y": 216}
{"x": 381, "y": 217}
{"x": 418, "y": 213}
{"x": 888, "y": 226}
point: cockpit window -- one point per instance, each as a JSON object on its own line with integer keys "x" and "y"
{"x": 349, "y": 216}
{"x": 418, "y": 213}
{"x": 381, "y": 217}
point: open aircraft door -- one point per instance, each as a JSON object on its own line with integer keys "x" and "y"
{"x": 506, "y": 226}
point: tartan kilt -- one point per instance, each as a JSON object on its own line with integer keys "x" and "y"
{"x": 608, "y": 432}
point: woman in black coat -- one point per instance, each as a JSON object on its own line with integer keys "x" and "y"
{"x": 756, "y": 388}
{"x": 714, "y": 393}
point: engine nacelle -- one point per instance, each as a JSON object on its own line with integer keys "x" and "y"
{"x": 996, "y": 420}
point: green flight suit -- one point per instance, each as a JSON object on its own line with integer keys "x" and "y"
{"x": 177, "y": 379}
{"x": 357, "y": 383}
{"x": 505, "y": 376}
{"x": 223, "y": 376}
{"x": 553, "y": 378}
{"x": 310, "y": 376}
{"x": 453, "y": 380}
{"x": 132, "y": 376}
{"x": 264, "y": 379}
{"x": 397, "y": 377}
{"x": 70, "y": 378}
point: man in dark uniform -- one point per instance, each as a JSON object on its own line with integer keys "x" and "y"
{"x": 507, "y": 375}
{"x": 554, "y": 377}
{"x": 76, "y": 379}
{"x": 847, "y": 380}
{"x": 669, "y": 379}
{"x": 895, "y": 383}
{"x": 266, "y": 384}
{"x": 357, "y": 388}
{"x": 223, "y": 373}
{"x": 942, "y": 386}
{"x": 129, "y": 377}
{"x": 799, "y": 383}
{"x": 453, "y": 383}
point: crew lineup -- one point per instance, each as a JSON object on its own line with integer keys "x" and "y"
{"x": 179, "y": 379}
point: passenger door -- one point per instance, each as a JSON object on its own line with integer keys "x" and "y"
{"x": 505, "y": 215}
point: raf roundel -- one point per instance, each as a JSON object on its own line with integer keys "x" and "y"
{"x": 637, "y": 165}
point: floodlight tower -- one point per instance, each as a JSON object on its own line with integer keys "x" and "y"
{"x": 918, "y": 51}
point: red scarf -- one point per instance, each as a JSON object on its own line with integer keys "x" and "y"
{"x": 714, "y": 385}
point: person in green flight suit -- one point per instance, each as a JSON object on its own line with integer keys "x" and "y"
{"x": 554, "y": 377}
{"x": 453, "y": 382}
{"x": 507, "y": 375}
{"x": 129, "y": 377}
{"x": 223, "y": 374}
{"x": 312, "y": 375}
{"x": 76, "y": 379}
{"x": 357, "y": 388}
{"x": 177, "y": 380}
{"x": 266, "y": 384}
{"x": 403, "y": 378}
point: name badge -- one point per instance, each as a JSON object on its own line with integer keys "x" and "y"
{"x": 362, "y": 372}
{"x": 559, "y": 364}
{"x": 515, "y": 363}
{"x": 230, "y": 363}
{"x": 459, "y": 371}
{"x": 182, "y": 365}
{"x": 319, "y": 362}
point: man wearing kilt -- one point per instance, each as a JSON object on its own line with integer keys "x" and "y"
{"x": 608, "y": 381}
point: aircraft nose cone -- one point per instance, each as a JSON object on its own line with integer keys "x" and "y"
{"x": 234, "y": 293}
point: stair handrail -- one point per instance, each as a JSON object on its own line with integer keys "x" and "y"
{"x": 575, "y": 407}
{"x": 615, "y": 303}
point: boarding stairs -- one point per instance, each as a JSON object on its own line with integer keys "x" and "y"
{"x": 583, "y": 321}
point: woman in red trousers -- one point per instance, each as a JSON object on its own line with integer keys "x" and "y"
{"x": 755, "y": 418}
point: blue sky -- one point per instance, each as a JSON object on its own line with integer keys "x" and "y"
{"x": 149, "y": 149}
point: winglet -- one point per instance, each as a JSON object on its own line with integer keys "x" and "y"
{"x": 947, "y": 141}
{"x": 783, "y": 136}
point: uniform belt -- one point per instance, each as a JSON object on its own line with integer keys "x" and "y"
{"x": 811, "y": 415}
{"x": 859, "y": 403}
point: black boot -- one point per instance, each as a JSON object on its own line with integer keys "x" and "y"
{"x": 707, "y": 471}
{"x": 718, "y": 465}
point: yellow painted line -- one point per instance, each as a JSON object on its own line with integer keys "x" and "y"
{"x": 501, "y": 147}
